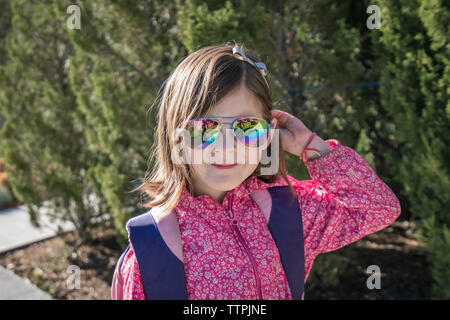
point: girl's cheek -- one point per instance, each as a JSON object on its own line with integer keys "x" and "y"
{"x": 252, "y": 156}
{"x": 198, "y": 157}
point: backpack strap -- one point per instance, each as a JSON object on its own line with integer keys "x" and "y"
{"x": 162, "y": 273}
{"x": 286, "y": 227}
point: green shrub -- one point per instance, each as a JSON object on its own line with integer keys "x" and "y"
{"x": 328, "y": 268}
{"x": 5, "y": 196}
{"x": 437, "y": 243}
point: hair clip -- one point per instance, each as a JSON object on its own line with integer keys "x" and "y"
{"x": 240, "y": 55}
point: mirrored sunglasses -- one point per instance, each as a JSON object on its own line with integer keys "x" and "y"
{"x": 251, "y": 131}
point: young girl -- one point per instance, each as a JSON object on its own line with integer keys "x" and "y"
{"x": 223, "y": 228}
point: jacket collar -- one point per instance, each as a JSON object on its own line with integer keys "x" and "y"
{"x": 189, "y": 203}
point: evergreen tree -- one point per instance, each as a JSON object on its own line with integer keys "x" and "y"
{"x": 413, "y": 52}
{"x": 42, "y": 139}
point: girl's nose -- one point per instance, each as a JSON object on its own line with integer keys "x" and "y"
{"x": 228, "y": 140}
{"x": 225, "y": 145}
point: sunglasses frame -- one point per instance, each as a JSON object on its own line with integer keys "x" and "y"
{"x": 269, "y": 126}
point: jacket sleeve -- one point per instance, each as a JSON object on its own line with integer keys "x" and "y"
{"x": 127, "y": 283}
{"x": 344, "y": 202}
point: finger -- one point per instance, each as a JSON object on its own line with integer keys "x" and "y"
{"x": 281, "y": 116}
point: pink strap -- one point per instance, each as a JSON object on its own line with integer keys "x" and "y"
{"x": 307, "y": 145}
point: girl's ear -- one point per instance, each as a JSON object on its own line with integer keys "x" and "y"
{"x": 274, "y": 123}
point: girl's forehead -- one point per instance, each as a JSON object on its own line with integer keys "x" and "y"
{"x": 238, "y": 103}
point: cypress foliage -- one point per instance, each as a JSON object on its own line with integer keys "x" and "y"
{"x": 41, "y": 139}
{"x": 413, "y": 53}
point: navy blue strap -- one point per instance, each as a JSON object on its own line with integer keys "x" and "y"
{"x": 286, "y": 227}
{"x": 162, "y": 273}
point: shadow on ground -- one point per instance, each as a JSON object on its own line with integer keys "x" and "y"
{"x": 405, "y": 272}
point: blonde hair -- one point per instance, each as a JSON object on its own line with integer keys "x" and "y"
{"x": 192, "y": 89}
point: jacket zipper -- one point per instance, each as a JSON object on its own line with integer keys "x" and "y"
{"x": 237, "y": 232}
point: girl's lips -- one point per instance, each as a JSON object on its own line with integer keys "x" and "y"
{"x": 224, "y": 166}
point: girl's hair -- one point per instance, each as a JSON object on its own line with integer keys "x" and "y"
{"x": 201, "y": 80}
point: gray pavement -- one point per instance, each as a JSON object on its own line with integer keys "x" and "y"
{"x": 17, "y": 231}
{"x": 13, "y": 287}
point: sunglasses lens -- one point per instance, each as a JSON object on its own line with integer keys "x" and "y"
{"x": 202, "y": 132}
{"x": 252, "y": 132}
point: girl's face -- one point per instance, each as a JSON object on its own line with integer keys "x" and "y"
{"x": 209, "y": 178}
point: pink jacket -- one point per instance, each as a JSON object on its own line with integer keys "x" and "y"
{"x": 344, "y": 201}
